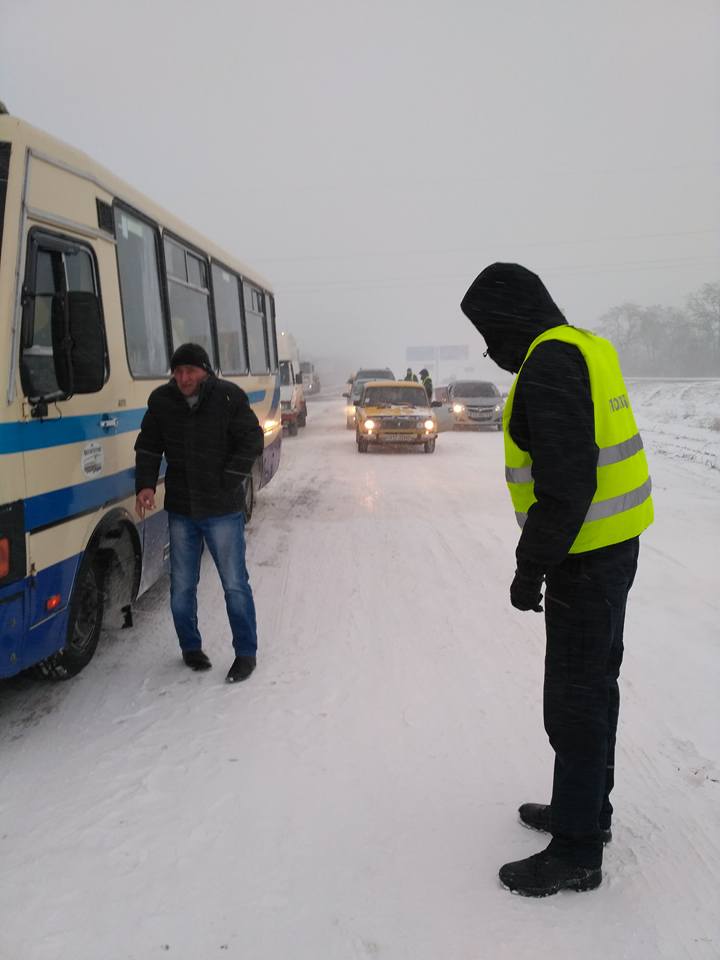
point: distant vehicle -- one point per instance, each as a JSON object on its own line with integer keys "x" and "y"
{"x": 369, "y": 373}
{"x": 293, "y": 409}
{"x": 356, "y": 385}
{"x": 311, "y": 379}
{"x": 475, "y": 404}
{"x": 394, "y": 411}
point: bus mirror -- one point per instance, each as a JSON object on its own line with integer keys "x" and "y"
{"x": 78, "y": 343}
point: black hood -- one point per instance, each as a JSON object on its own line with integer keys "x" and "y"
{"x": 510, "y": 307}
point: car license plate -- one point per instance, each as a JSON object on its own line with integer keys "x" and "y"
{"x": 481, "y": 416}
{"x": 399, "y": 437}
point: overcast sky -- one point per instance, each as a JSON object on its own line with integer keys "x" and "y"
{"x": 370, "y": 157}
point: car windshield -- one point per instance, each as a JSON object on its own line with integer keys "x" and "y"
{"x": 357, "y": 389}
{"x": 474, "y": 388}
{"x": 285, "y": 373}
{"x": 395, "y": 397}
{"x": 385, "y": 374}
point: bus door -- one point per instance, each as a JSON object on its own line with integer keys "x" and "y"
{"x": 71, "y": 456}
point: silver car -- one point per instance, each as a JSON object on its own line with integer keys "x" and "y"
{"x": 475, "y": 404}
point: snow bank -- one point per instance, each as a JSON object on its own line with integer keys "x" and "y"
{"x": 679, "y": 419}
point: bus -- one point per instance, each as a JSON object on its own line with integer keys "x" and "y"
{"x": 98, "y": 286}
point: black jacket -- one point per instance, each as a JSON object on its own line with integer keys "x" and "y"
{"x": 552, "y": 415}
{"x": 210, "y": 448}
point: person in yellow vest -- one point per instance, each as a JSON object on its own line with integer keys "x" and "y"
{"x": 580, "y": 488}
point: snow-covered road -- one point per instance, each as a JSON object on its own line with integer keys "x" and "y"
{"x": 356, "y": 796}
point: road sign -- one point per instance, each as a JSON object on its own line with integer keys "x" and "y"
{"x": 435, "y": 353}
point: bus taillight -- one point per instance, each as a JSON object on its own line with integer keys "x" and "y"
{"x": 4, "y": 557}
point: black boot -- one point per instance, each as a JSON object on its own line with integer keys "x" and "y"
{"x": 544, "y": 874}
{"x": 196, "y": 660}
{"x": 537, "y": 817}
{"x": 241, "y": 669}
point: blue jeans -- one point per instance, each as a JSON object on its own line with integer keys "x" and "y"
{"x": 225, "y": 537}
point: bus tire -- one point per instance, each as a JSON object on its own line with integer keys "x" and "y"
{"x": 429, "y": 446}
{"x": 84, "y": 625}
{"x": 249, "y": 496}
{"x": 362, "y": 445}
{"x": 293, "y": 428}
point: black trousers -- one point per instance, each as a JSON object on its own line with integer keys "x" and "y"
{"x": 585, "y": 601}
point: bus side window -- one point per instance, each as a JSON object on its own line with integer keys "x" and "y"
{"x": 272, "y": 334}
{"x": 142, "y": 308}
{"x": 189, "y": 296}
{"x": 255, "y": 325}
{"x": 228, "y": 320}
{"x": 55, "y": 267}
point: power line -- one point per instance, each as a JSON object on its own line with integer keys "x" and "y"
{"x": 387, "y": 283}
{"x": 453, "y": 250}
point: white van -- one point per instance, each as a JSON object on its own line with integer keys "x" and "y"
{"x": 293, "y": 409}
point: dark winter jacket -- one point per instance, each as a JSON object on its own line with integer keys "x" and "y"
{"x": 552, "y": 414}
{"x": 210, "y": 448}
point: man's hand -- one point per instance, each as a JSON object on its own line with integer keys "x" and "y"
{"x": 525, "y": 592}
{"x": 145, "y": 500}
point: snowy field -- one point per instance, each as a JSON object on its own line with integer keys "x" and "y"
{"x": 355, "y": 798}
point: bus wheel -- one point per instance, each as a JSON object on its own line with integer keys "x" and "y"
{"x": 249, "y": 498}
{"x": 429, "y": 446}
{"x": 362, "y": 445}
{"x": 84, "y": 626}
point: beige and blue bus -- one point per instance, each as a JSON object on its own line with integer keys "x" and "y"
{"x": 98, "y": 285}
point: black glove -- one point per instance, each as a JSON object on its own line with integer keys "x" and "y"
{"x": 525, "y": 592}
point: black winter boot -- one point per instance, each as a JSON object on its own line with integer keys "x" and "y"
{"x": 537, "y": 817}
{"x": 196, "y": 660}
{"x": 241, "y": 669}
{"x": 544, "y": 874}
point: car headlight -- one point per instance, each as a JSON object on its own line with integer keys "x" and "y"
{"x": 369, "y": 424}
{"x": 498, "y": 408}
{"x": 429, "y": 424}
{"x": 458, "y": 408}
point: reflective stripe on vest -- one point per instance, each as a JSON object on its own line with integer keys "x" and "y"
{"x": 608, "y": 508}
{"x": 615, "y": 453}
{"x": 622, "y": 505}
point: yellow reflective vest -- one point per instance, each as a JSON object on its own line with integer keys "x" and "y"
{"x": 622, "y": 506}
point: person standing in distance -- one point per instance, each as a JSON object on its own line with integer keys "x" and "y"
{"x": 426, "y": 381}
{"x": 210, "y": 438}
{"x": 580, "y": 486}
{"x": 409, "y": 375}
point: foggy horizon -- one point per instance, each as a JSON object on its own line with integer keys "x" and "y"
{"x": 370, "y": 160}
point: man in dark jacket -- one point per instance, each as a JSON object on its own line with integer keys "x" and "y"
{"x": 210, "y": 438}
{"x": 553, "y": 441}
{"x": 426, "y": 381}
